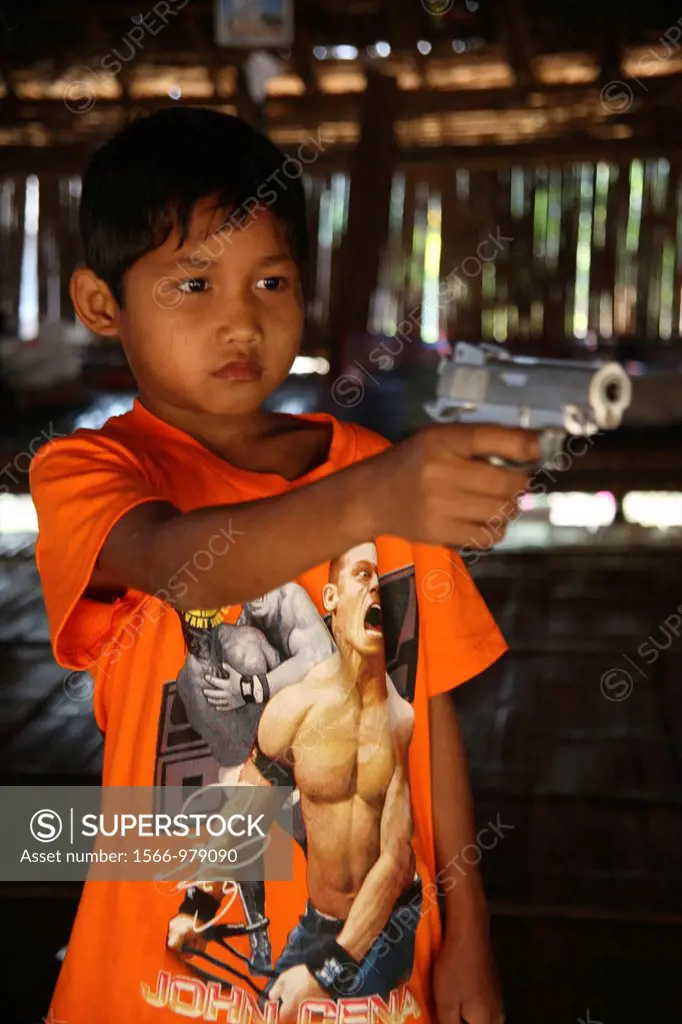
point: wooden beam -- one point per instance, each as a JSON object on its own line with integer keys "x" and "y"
{"x": 371, "y": 173}
{"x": 434, "y": 163}
{"x": 309, "y": 110}
{"x": 608, "y": 33}
{"x": 515, "y": 32}
{"x": 548, "y": 152}
{"x": 302, "y": 52}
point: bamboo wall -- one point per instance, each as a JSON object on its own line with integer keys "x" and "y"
{"x": 39, "y": 247}
{"x": 580, "y": 251}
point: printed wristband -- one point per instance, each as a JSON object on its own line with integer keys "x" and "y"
{"x": 248, "y": 688}
{"x": 201, "y": 903}
{"x": 333, "y": 968}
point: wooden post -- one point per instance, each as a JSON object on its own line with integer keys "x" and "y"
{"x": 17, "y": 247}
{"x": 48, "y": 226}
{"x": 608, "y": 30}
{"x": 371, "y": 173}
{"x": 674, "y": 195}
{"x": 515, "y": 31}
{"x": 7, "y": 253}
{"x": 70, "y": 252}
{"x": 249, "y": 109}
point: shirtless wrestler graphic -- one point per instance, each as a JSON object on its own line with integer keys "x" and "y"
{"x": 346, "y": 733}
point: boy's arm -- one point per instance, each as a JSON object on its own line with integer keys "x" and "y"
{"x": 465, "y": 978}
{"x": 431, "y": 488}
{"x": 248, "y": 549}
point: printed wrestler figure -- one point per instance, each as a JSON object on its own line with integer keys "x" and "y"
{"x": 345, "y": 731}
{"x": 275, "y": 641}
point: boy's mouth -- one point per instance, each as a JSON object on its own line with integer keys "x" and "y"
{"x": 240, "y": 370}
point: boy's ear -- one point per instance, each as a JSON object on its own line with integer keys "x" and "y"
{"x": 94, "y": 304}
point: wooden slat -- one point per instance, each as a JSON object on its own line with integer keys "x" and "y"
{"x": 451, "y": 206}
{"x": 675, "y": 210}
{"x": 69, "y": 243}
{"x": 409, "y": 298}
{"x": 646, "y": 261}
{"x": 48, "y": 253}
{"x": 8, "y": 247}
{"x": 13, "y": 270}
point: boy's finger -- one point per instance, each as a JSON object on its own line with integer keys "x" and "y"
{"x": 511, "y": 443}
{"x": 482, "y": 509}
{"x": 495, "y": 482}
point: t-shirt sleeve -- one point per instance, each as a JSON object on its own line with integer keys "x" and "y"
{"x": 81, "y": 487}
{"x": 367, "y": 442}
{"x": 460, "y": 635}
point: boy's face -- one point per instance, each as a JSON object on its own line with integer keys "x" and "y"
{"x": 213, "y": 327}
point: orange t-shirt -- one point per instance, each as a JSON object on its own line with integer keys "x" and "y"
{"x": 406, "y": 619}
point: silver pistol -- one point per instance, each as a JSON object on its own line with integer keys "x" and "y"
{"x": 555, "y": 397}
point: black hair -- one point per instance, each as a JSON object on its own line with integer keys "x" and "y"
{"x": 147, "y": 179}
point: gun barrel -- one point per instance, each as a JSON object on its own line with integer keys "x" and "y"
{"x": 477, "y": 384}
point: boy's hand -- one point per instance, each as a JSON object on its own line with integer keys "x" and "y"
{"x": 465, "y": 983}
{"x": 442, "y": 492}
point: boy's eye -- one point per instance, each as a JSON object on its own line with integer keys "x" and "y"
{"x": 271, "y": 284}
{"x": 193, "y": 285}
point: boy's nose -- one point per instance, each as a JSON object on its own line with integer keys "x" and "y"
{"x": 241, "y": 327}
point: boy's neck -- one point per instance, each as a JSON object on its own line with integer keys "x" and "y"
{"x": 220, "y": 434}
{"x": 261, "y": 441}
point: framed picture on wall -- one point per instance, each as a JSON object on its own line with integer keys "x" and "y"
{"x": 254, "y": 22}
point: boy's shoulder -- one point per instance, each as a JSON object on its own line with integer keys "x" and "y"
{"x": 119, "y": 436}
{"x": 323, "y": 437}
{"x": 367, "y": 442}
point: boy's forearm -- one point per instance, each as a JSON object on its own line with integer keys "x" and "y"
{"x": 247, "y": 549}
{"x": 453, "y": 814}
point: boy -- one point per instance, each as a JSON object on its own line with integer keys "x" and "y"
{"x": 332, "y": 613}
